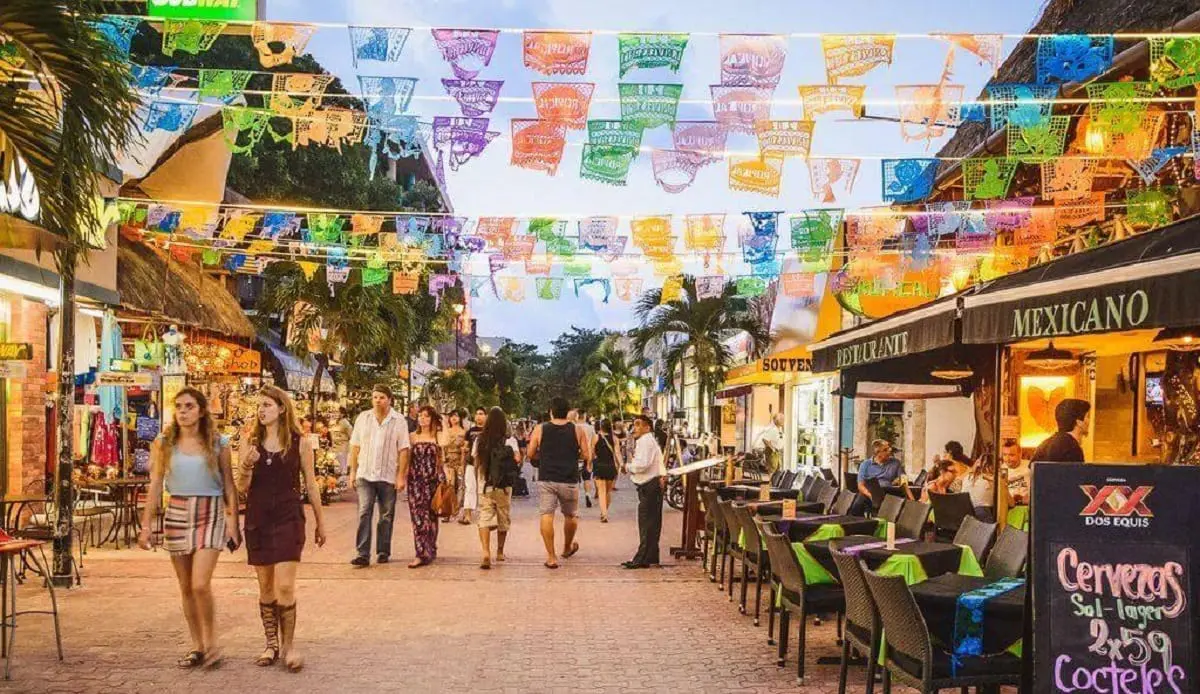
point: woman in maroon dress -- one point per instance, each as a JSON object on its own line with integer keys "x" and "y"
{"x": 272, "y": 462}
{"x": 421, "y": 477}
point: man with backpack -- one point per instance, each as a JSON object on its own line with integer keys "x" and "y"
{"x": 556, "y": 448}
{"x": 495, "y": 462}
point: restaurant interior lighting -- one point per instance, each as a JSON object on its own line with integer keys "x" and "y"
{"x": 1185, "y": 339}
{"x": 1050, "y": 358}
{"x": 954, "y": 371}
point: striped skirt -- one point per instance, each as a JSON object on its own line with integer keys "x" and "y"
{"x": 193, "y": 523}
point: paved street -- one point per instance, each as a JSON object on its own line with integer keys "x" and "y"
{"x": 589, "y": 626}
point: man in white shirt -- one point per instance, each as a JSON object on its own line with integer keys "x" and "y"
{"x": 772, "y": 442}
{"x": 647, "y": 471}
{"x": 378, "y": 446}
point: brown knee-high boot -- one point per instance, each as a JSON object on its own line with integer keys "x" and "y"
{"x": 287, "y": 631}
{"x": 269, "y": 611}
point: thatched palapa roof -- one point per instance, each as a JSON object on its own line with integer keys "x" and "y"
{"x": 151, "y": 282}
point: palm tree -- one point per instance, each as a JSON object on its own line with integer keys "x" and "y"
{"x": 348, "y": 321}
{"x": 66, "y": 108}
{"x": 610, "y": 375}
{"x": 701, "y": 328}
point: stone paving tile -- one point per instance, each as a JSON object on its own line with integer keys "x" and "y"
{"x": 589, "y": 626}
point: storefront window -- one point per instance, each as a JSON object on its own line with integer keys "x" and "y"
{"x": 885, "y": 420}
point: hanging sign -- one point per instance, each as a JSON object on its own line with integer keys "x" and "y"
{"x": 237, "y": 10}
{"x": 651, "y": 51}
{"x": 1112, "y": 576}
{"x": 564, "y": 102}
{"x": 16, "y": 351}
{"x": 853, "y": 56}
{"x": 12, "y": 369}
{"x": 558, "y": 52}
{"x": 137, "y": 379}
{"x": 538, "y": 144}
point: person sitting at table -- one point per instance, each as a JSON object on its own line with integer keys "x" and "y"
{"x": 941, "y": 478}
{"x": 1071, "y": 415}
{"x": 1016, "y": 470}
{"x": 958, "y": 458}
{"x": 978, "y": 483}
{"x": 883, "y": 468}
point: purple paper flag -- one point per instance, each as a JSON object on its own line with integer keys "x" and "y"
{"x": 467, "y": 50}
{"x": 475, "y": 97}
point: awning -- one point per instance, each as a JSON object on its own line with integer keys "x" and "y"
{"x": 299, "y": 374}
{"x": 731, "y": 393}
{"x": 908, "y": 332}
{"x": 1144, "y": 282}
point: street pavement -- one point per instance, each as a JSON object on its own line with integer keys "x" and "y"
{"x": 588, "y": 626}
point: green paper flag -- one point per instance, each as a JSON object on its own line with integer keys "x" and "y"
{"x": 615, "y": 133}
{"x": 547, "y": 228}
{"x": 1034, "y": 144}
{"x": 223, "y": 84}
{"x": 751, "y": 287}
{"x": 244, "y": 127}
{"x": 987, "y": 178}
{"x": 189, "y": 35}
{"x": 606, "y": 163}
{"x": 651, "y": 51}
{"x": 578, "y": 268}
{"x": 1150, "y": 207}
{"x": 649, "y": 105}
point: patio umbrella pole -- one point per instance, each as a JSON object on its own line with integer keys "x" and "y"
{"x": 63, "y": 521}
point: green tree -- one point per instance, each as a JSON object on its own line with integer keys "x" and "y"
{"x": 568, "y": 363}
{"x": 611, "y": 374}
{"x": 696, "y": 331}
{"x": 531, "y": 378}
{"x": 453, "y": 389}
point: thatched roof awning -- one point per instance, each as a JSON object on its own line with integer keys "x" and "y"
{"x": 151, "y": 282}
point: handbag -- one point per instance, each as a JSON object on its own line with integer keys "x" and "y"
{"x": 444, "y": 500}
{"x": 148, "y": 350}
{"x": 147, "y": 428}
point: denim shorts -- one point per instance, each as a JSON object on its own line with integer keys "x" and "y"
{"x": 553, "y": 495}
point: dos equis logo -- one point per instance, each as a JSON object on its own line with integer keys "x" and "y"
{"x": 1118, "y": 506}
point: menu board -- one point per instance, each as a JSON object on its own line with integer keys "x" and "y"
{"x": 1112, "y": 550}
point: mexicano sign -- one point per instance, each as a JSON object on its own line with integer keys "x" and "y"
{"x": 1105, "y": 313}
{"x": 875, "y": 349}
{"x": 244, "y": 10}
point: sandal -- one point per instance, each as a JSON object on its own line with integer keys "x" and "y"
{"x": 213, "y": 658}
{"x": 500, "y": 557}
{"x": 603, "y": 519}
{"x": 486, "y": 563}
{"x": 571, "y": 552}
{"x": 268, "y": 658}
{"x": 548, "y": 565}
{"x": 418, "y": 563}
{"x": 191, "y": 660}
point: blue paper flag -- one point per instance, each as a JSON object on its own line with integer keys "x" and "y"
{"x": 384, "y": 44}
{"x": 760, "y": 238}
{"x": 1072, "y": 57}
{"x": 908, "y": 180}
{"x": 170, "y": 116}
{"x": 1021, "y": 105}
{"x": 119, "y": 30}
{"x": 151, "y": 79}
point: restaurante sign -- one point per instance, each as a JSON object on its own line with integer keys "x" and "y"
{"x": 875, "y": 349}
{"x": 246, "y": 10}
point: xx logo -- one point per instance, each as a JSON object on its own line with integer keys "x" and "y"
{"x": 1114, "y": 500}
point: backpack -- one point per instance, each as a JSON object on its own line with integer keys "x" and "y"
{"x": 501, "y": 468}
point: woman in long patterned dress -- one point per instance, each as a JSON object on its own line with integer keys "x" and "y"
{"x": 421, "y": 477}
{"x": 454, "y": 452}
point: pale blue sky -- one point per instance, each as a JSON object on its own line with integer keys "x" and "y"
{"x": 489, "y": 186}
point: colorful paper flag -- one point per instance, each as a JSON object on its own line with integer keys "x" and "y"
{"x": 710, "y": 287}
{"x": 475, "y": 97}
{"x": 926, "y": 110}
{"x": 1035, "y": 144}
{"x": 650, "y": 51}
{"x": 538, "y": 144}
{"x": 1067, "y": 58}
{"x": 606, "y": 163}
{"x": 564, "y": 102}
{"x": 740, "y": 109}
{"x": 467, "y": 51}
{"x": 225, "y": 85}
{"x": 832, "y": 178}
{"x": 381, "y": 44}
{"x": 1021, "y": 105}
{"x": 674, "y": 171}
{"x": 672, "y": 290}
{"x": 813, "y": 234}
{"x": 855, "y": 55}
{"x": 908, "y": 180}
{"x": 627, "y": 288}
{"x": 752, "y": 60}
{"x": 1149, "y": 207}
{"x": 987, "y": 178}
{"x": 615, "y": 133}
{"x": 819, "y": 99}
{"x": 784, "y": 138}
{"x": 548, "y": 288}
{"x": 187, "y": 36}
{"x": 291, "y": 40}
{"x": 649, "y": 105}
{"x": 756, "y": 175}
{"x": 557, "y": 52}
{"x": 387, "y": 96}
{"x": 704, "y": 140}
{"x": 1175, "y": 60}
{"x": 986, "y": 47}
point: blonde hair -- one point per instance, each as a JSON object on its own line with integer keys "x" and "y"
{"x": 206, "y": 426}
{"x": 289, "y": 425}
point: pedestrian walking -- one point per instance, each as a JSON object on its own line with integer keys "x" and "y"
{"x": 276, "y": 474}
{"x": 189, "y": 459}
{"x": 648, "y": 473}
{"x": 496, "y": 455}
{"x": 339, "y": 435}
{"x": 470, "y": 500}
{"x": 578, "y": 417}
{"x": 556, "y": 448}
{"x": 421, "y": 477}
{"x": 378, "y": 449}
{"x": 454, "y": 453}
{"x": 606, "y": 460}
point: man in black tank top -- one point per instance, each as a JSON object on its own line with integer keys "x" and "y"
{"x": 556, "y": 448}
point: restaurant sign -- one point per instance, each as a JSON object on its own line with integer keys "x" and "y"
{"x": 16, "y": 351}
{"x": 884, "y": 346}
{"x": 1098, "y": 314}
{"x": 1112, "y": 571}
{"x": 224, "y": 10}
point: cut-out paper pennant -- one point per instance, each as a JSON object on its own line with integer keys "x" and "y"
{"x": 615, "y": 133}
{"x": 985, "y": 47}
{"x": 908, "y": 180}
{"x": 751, "y": 287}
{"x": 564, "y": 102}
{"x": 244, "y": 127}
{"x": 557, "y": 52}
{"x": 381, "y": 44}
{"x": 627, "y": 288}
{"x": 760, "y": 237}
{"x": 1022, "y": 105}
{"x": 855, "y": 55}
{"x": 511, "y": 288}
{"x": 832, "y": 178}
{"x": 756, "y": 175}
{"x": 1038, "y": 143}
{"x": 604, "y": 284}
{"x": 606, "y": 163}
{"x": 987, "y": 178}
{"x": 548, "y": 288}
{"x": 704, "y": 232}
{"x": 405, "y": 282}
{"x": 784, "y": 138}
{"x": 672, "y": 290}
{"x": 1149, "y": 207}
{"x": 475, "y": 97}
{"x": 710, "y": 287}
{"x": 461, "y": 139}
{"x": 1075, "y": 212}
{"x": 703, "y": 140}
{"x": 225, "y": 85}
{"x": 650, "y": 51}
{"x": 798, "y": 284}
{"x": 674, "y": 171}
{"x": 926, "y": 110}
{"x": 752, "y": 60}
{"x": 1073, "y": 57}
{"x": 1175, "y": 60}
{"x": 649, "y": 105}
{"x": 333, "y": 128}
{"x": 739, "y": 109}
{"x": 467, "y": 51}
{"x": 279, "y": 44}
{"x": 118, "y": 30}
{"x": 1118, "y": 108}
{"x": 386, "y": 96}
{"x": 188, "y": 36}
{"x": 819, "y": 99}
{"x": 538, "y": 144}
{"x": 170, "y": 116}
{"x": 813, "y": 234}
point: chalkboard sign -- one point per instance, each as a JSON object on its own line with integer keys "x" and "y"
{"x": 1112, "y": 550}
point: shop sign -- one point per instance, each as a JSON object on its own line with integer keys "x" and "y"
{"x": 787, "y": 365}
{"x": 1099, "y": 314}
{"x": 224, "y": 10}
{"x": 875, "y": 349}
{"x": 12, "y": 369}
{"x": 18, "y": 192}
{"x": 122, "y": 365}
{"x": 122, "y": 379}
{"x": 16, "y": 351}
{"x": 1111, "y": 572}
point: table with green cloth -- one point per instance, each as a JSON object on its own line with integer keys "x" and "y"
{"x": 810, "y": 528}
{"x": 999, "y": 624}
{"x": 1018, "y": 517}
{"x": 774, "y": 509}
{"x": 746, "y": 492}
{"x": 915, "y": 560}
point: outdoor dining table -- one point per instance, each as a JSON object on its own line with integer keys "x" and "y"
{"x": 815, "y": 527}
{"x": 14, "y": 504}
{"x": 917, "y": 561}
{"x": 972, "y": 615}
{"x": 125, "y": 513}
{"x": 744, "y": 492}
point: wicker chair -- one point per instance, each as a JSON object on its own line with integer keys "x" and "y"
{"x": 826, "y": 497}
{"x": 796, "y": 598}
{"x": 1007, "y": 559}
{"x": 863, "y": 628}
{"x": 975, "y": 534}
{"x": 889, "y": 510}
{"x": 708, "y": 498}
{"x": 777, "y": 477}
{"x": 786, "y": 481}
{"x": 949, "y": 512}
{"x": 733, "y": 549}
{"x": 913, "y": 516}
{"x": 755, "y": 559}
{"x": 815, "y": 489}
{"x": 843, "y": 502}
{"x": 799, "y": 482}
{"x": 910, "y": 655}
{"x": 720, "y": 541}
{"x": 772, "y": 579}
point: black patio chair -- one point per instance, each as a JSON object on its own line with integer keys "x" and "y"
{"x": 949, "y": 510}
{"x": 910, "y": 655}
{"x": 977, "y": 535}
{"x": 755, "y": 559}
{"x": 913, "y": 516}
{"x": 799, "y": 483}
{"x": 776, "y": 477}
{"x": 826, "y": 498}
{"x": 843, "y": 502}
{"x": 862, "y": 628}
{"x": 1007, "y": 559}
{"x": 919, "y": 480}
{"x": 733, "y": 549}
{"x": 786, "y": 481}
{"x": 797, "y": 598}
{"x": 889, "y": 510}
{"x": 806, "y": 488}
{"x": 709, "y": 539}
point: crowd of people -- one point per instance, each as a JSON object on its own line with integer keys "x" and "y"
{"x": 448, "y": 473}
